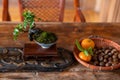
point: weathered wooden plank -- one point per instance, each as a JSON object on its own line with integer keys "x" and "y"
{"x": 67, "y": 33}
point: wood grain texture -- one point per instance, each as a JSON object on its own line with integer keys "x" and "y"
{"x": 35, "y": 49}
{"x": 67, "y": 33}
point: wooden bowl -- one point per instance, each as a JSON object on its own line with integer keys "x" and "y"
{"x": 99, "y": 42}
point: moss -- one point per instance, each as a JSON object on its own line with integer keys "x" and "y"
{"x": 45, "y": 37}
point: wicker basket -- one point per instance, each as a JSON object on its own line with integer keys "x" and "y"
{"x": 99, "y": 42}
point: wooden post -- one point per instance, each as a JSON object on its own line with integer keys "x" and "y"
{"x": 76, "y": 4}
{"x": 5, "y": 13}
{"x": 79, "y": 17}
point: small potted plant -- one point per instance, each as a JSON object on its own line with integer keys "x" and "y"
{"x": 43, "y": 38}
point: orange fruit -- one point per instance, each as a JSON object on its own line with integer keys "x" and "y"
{"x": 87, "y": 43}
{"x": 84, "y": 57}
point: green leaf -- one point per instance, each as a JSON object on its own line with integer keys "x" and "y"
{"x": 25, "y": 24}
{"x": 90, "y": 50}
{"x": 79, "y": 46}
{"x": 32, "y": 24}
{"x": 86, "y": 52}
{"x": 19, "y": 27}
{"x": 15, "y": 33}
{"x": 16, "y": 30}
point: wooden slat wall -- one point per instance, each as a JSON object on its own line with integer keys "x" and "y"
{"x": 110, "y": 11}
{"x": 104, "y": 10}
{"x": 116, "y": 18}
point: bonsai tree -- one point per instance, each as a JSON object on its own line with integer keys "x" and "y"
{"x": 34, "y": 33}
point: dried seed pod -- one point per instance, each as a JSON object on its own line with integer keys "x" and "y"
{"x": 106, "y": 56}
{"x": 108, "y": 64}
{"x": 100, "y": 58}
{"x": 110, "y": 48}
{"x": 105, "y": 60}
{"x": 96, "y": 63}
{"x": 114, "y": 63}
{"x": 99, "y": 51}
{"x": 94, "y": 57}
{"x": 103, "y": 49}
{"x": 116, "y": 53}
{"x": 102, "y": 54}
{"x": 119, "y": 56}
{"x": 110, "y": 59}
{"x": 106, "y": 51}
{"x": 114, "y": 56}
{"x": 102, "y": 64}
{"x": 113, "y": 51}
{"x": 96, "y": 52}
{"x": 110, "y": 54}
{"x": 115, "y": 60}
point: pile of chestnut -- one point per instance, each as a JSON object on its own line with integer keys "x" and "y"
{"x": 105, "y": 56}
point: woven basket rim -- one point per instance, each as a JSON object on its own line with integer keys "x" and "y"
{"x": 91, "y": 66}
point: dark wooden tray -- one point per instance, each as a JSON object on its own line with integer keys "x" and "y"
{"x": 12, "y": 60}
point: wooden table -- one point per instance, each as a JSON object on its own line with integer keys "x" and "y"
{"x": 67, "y": 33}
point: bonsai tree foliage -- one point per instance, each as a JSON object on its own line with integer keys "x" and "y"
{"x": 28, "y": 22}
{"x": 34, "y": 33}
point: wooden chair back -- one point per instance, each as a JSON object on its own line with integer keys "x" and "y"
{"x": 46, "y": 10}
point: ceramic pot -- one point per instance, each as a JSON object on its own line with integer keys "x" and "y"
{"x": 38, "y": 31}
